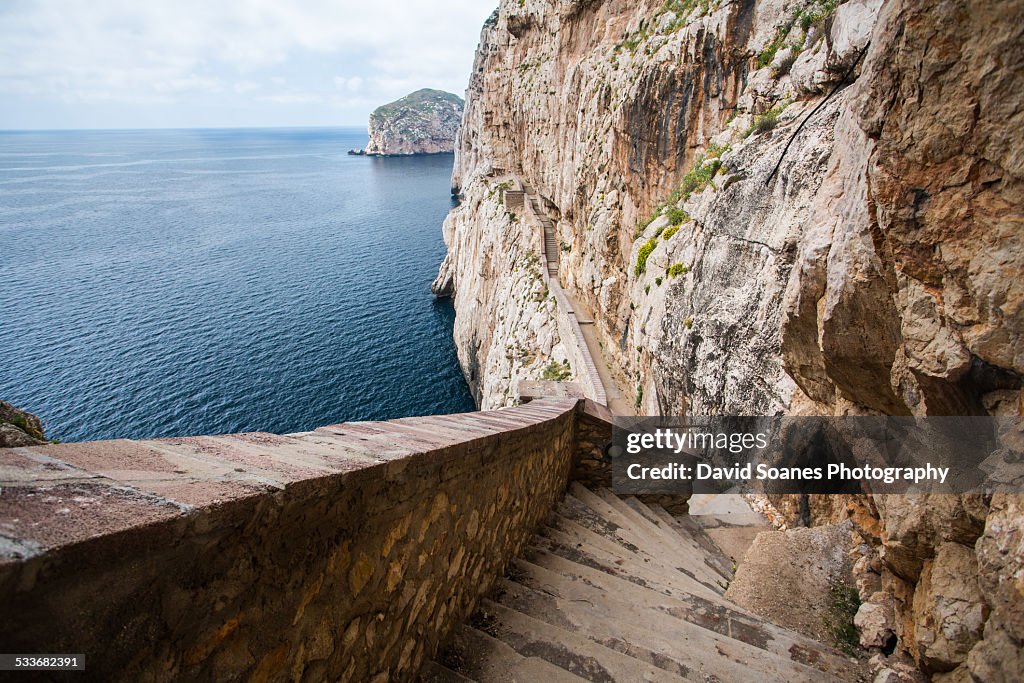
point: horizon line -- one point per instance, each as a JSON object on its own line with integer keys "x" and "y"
{"x": 153, "y": 128}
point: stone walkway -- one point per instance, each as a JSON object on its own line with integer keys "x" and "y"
{"x": 617, "y": 402}
{"x": 581, "y": 322}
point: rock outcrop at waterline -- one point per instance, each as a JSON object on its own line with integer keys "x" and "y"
{"x": 423, "y": 122}
{"x": 19, "y": 428}
{"x": 867, "y": 261}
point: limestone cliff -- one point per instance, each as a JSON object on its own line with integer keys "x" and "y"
{"x": 423, "y": 122}
{"x": 751, "y": 246}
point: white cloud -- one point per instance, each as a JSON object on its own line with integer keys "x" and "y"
{"x": 243, "y": 87}
{"x": 170, "y": 52}
{"x": 353, "y": 84}
{"x": 293, "y": 98}
{"x": 188, "y": 83}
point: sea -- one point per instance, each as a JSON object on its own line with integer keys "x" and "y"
{"x": 185, "y": 282}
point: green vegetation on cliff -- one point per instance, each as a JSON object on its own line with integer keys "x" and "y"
{"x": 19, "y": 428}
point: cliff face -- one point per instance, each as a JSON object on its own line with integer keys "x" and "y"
{"x": 423, "y": 122}
{"x": 738, "y": 262}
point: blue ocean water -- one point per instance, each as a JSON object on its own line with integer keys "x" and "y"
{"x": 158, "y": 283}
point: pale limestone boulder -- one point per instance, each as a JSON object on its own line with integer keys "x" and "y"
{"x": 876, "y": 621}
{"x": 867, "y": 573}
{"x": 1000, "y": 554}
{"x": 808, "y": 72}
{"x": 782, "y": 61}
{"x": 949, "y": 608}
{"x": 917, "y": 524}
{"x": 851, "y": 30}
{"x": 665, "y": 21}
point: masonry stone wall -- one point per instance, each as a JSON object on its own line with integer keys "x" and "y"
{"x": 592, "y": 465}
{"x": 346, "y": 553}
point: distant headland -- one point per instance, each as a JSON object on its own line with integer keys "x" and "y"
{"x": 422, "y": 122}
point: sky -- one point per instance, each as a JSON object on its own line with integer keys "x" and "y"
{"x": 232, "y": 63}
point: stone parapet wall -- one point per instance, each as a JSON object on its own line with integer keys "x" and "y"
{"x": 580, "y": 360}
{"x": 341, "y": 554}
{"x": 592, "y": 466}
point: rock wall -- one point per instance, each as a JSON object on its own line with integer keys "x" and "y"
{"x": 495, "y": 275}
{"x": 751, "y": 246}
{"x": 908, "y": 293}
{"x": 341, "y": 554}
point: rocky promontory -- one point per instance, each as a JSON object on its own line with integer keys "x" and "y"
{"x": 423, "y": 122}
{"x": 19, "y": 428}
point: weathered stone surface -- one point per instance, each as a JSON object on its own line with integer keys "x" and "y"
{"x": 423, "y": 122}
{"x": 923, "y": 297}
{"x": 876, "y": 621}
{"x": 999, "y": 656}
{"x": 916, "y": 525}
{"x": 949, "y": 609}
{"x": 815, "y": 560}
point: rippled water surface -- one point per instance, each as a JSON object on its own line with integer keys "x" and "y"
{"x": 199, "y": 282}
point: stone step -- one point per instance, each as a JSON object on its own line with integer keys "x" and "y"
{"x": 728, "y": 509}
{"x": 674, "y": 533}
{"x": 651, "y": 540}
{"x": 596, "y": 622}
{"x": 644, "y": 576}
{"x": 681, "y": 649}
{"x": 685, "y": 526}
{"x": 695, "y": 621}
{"x": 639, "y": 515}
{"x": 727, "y": 620}
{"x": 613, "y": 589}
{"x": 614, "y": 509}
{"x": 690, "y": 548}
{"x": 579, "y": 514}
{"x": 432, "y": 672}
{"x": 484, "y": 658}
{"x": 582, "y": 545}
{"x": 568, "y": 650}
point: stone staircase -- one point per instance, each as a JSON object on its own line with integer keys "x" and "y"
{"x": 616, "y": 590}
{"x": 550, "y": 243}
